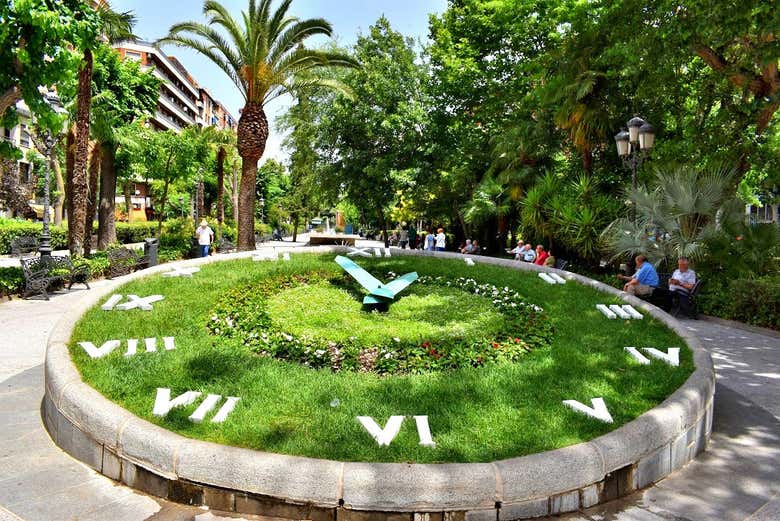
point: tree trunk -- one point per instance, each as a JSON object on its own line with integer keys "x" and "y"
{"x": 296, "y": 222}
{"x": 92, "y": 188}
{"x": 587, "y": 161}
{"x": 163, "y": 200}
{"x": 199, "y": 198}
{"x": 127, "y": 188}
{"x": 234, "y": 194}
{"x": 106, "y": 220}
{"x": 80, "y": 188}
{"x": 252, "y": 136}
{"x": 221, "y": 153}
{"x": 60, "y": 201}
{"x": 9, "y": 98}
{"x": 70, "y": 140}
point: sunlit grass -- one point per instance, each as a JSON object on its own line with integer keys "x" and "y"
{"x": 480, "y": 414}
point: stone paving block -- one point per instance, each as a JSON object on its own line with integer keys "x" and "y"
{"x": 112, "y": 465}
{"x": 526, "y": 509}
{"x": 653, "y": 467}
{"x": 589, "y": 495}
{"x": 85, "y": 449}
{"x": 481, "y": 515}
{"x": 247, "y": 504}
{"x": 138, "y": 477}
{"x": 295, "y": 479}
{"x": 680, "y": 451}
{"x": 428, "y": 516}
{"x": 562, "y": 503}
{"x": 394, "y": 487}
{"x": 219, "y": 499}
{"x": 343, "y": 514}
{"x": 150, "y": 445}
{"x": 185, "y": 493}
{"x": 539, "y": 475}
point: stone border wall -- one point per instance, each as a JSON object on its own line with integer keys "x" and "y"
{"x": 144, "y": 456}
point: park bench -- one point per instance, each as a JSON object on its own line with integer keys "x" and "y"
{"x": 661, "y": 296}
{"x": 47, "y": 273}
{"x": 561, "y": 264}
{"x": 24, "y": 244}
{"x": 122, "y": 261}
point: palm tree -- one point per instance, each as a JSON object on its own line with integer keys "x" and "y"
{"x": 115, "y": 26}
{"x": 676, "y": 213}
{"x": 264, "y": 56}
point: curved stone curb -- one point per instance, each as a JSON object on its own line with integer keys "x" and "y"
{"x": 126, "y": 448}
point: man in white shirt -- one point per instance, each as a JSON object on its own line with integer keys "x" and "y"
{"x": 441, "y": 240}
{"x": 517, "y": 251}
{"x": 205, "y": 236}
{"x": 529, "y": 255}
{"x": 681, "y": 283}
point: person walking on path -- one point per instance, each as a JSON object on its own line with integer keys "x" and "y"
{"x": 430, "y": 241}
{"x": 205, "y": 236}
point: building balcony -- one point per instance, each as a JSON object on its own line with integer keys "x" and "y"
{"x": 166, "y": 122}
{"x": 173, "y": 107}
{"x": 173, "y": 88}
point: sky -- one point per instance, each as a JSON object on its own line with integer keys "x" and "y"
{"x": 348, "y": 17}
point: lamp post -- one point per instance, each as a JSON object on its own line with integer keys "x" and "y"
{"x": 48, "y": 143}
{"x": 181, "y": 205}
{"x": 634, "y": 145}
{"x": 262, "y": 210}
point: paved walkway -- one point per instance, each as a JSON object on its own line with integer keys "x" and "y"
{"x": 737, "y": 479}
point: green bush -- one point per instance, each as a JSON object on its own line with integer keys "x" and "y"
{"x": 11, "y": 281}
{"x": 128, "y": 233}
{"x": 12, "y": 228}
{"x": 754, "y": 301}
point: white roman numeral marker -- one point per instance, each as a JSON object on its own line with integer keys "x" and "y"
{"x": 363, "y": 252}
{"x": 628, "y": 308}
{"x": 598, "y": 411}
{"x": 151, "y": 345}
{"x": 557, "y": 278}
{"x": 226, "y": 409}
{"x": 639, "y": 357}
{"x": 181, "y": 272}
{"x": 163, "y": 403}
{"x": 204, "y": 407}
{"x": 99, "y": 352}
{"x": 606, "y": 311}
{"x": 132, "y": 347}
{"x": 382, "y": 436}
{"x": 377, "y": 252}
{"x": 619, "y": 311}
{"x": 111, "y": 302}
{"x": 168, "y": 343}
{"x": 285, "y": 256}
{"x": 387, "y": 252}
{"x": 134, "y": 301}
{"x": 545, "y": 277}
{"x": 424, "y": 431}
{"x": 469, "y": 261}
{"x": 671, "y": 357}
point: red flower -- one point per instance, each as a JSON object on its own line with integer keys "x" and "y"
{"x": 496, "y": 345}
{"x": 517, "y": 340}
{"x": 426, "y": 345}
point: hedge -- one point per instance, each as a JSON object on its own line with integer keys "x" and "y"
{"x": 754, "y": 301}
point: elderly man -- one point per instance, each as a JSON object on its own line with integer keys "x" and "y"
{"x": 644, "y": 281}
{"x": 529, "y": 254}
{"x": 680, "y": 286}
{"x": 517, "y": 251}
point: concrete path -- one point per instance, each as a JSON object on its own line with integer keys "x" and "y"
{"x": 737, "y": 479}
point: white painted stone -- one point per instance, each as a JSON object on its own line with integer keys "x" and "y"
{"x": 671, "y": 357}
{"x": 636, "y": 315}
{"x": 111, "y": 302}
{"x": 227, "y": 408}
{"x": 163, "y": 403}
{"x": 271, "y": 255}
{"x": 205, "y": 407}
{"x": 286, "y": 256}
{"x": 377, "y": 252}
{"x": 181, "y": 272}
{"x": 132, "y": 347}
{"x": 363, "y": 252}
{"x": 619, "y": 312}
{"x": 557, "y": 278}
{"x": 606, "y": 311}
{"x": 545, "y": 277}
{"x": 424, "y": 431}
{"x": 639, "y": 357}
{"x": 387, "y": 252}
{"x": 598, "y": 411}
{"x": 100, "y": 352}
{"x": 382, "y": 436}
{"x": 469, "y": 261}
{"x": 151, "y": 345}
{"x": 134, "y": 301}
{"x": 168, "y": 343}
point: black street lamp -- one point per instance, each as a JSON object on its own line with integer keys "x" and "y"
{"x": 48, "y": 142}
{"x": 634, "y": 145}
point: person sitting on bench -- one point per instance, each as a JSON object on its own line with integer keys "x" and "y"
{"x": 680, "y": 285}
{"x": 644, "y": 281}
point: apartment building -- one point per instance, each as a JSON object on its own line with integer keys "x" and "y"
{"x": 183, "y": 102}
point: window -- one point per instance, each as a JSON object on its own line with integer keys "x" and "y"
{"x": 132, "y": 55}
{"x": 7, "y": 134}
{"x": 24, "y": 173}
{"x": 214, "y": 120}
{"x": 24, "y": 140}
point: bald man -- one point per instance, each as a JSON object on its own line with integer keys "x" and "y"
{"x": 644, "y": 281}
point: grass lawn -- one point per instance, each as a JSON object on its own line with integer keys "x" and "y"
{"x": 475, "y": 414}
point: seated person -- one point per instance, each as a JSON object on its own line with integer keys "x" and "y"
{"x": 550, "y": 260}
{"x": 680, "y": 285}
{"x": 468, "y": 248}
{"x": 475, "y": 249}
{"x": 541, "y": 255}
{"x": 529, "y": 255}
{"x": 644, "y": 281}
{"x": 517, "y": 251}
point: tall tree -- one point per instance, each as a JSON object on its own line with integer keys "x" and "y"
{"x": 374, "y": 140}
{"x": 262, "y": 55}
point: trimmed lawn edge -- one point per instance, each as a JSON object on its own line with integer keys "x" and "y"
{"x": 126, "y": 448}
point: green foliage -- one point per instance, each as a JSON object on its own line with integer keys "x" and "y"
{"x": 286, "y": 407}
{"x": 11, "y": 281}
{"x": 11, "y": 228}
{"x": 754, "y": 301}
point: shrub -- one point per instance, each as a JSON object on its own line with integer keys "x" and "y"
{"x": 128, "y": 233}
{"x": 12, "y": 228}
{"x": 11, "y": 280}
{"x": 754, "y": 301}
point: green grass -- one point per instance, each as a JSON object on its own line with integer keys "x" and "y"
{"x": 475, "y": 414}
{"x": 325, "y": 311}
